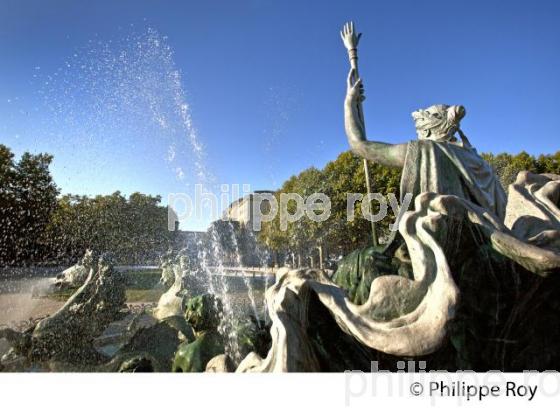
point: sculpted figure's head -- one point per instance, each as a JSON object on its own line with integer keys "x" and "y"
{"x": 438, "y": 122}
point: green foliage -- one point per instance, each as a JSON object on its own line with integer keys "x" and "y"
{"x": 133, "y": 230}
{"x": 346, "y": 175}
{"x": 27, "y": 200}
{"x": 338, "y": 235}
{"x": 36, "y": 226}
{"x": 507, "y": 166}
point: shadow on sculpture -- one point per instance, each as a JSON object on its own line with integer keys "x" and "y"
{"x": 184, "y": 277}
{"x": 96, "y": 331}
{"x": 69, "y": 333}
{"x": 207, "y": 352}
{"x": 469, "y": 281}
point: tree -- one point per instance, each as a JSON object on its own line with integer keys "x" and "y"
{"x": 27, "y": 200}
{"x": 337, "y": 235}
{"x": 132, "y": 230}
{"x": 507, "y": 166}
{"x": 345, "y": 175}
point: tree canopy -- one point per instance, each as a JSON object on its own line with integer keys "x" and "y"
{"x": 36, "y": 225}
{"x": 346, "y": 175}
{"x": 338, "y": 235}
{"x": 507, "y": 166}
{"x": 132, "y": 230}
{"x": 27, "y": 199}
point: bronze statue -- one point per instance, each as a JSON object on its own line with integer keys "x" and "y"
{"x": 457, "y": 168}
{"x": 455, "y": 286}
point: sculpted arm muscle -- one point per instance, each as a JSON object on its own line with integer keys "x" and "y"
{"x": 391, "y": 155}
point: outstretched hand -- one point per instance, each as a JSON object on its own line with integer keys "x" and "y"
{"x": 349, "y": 37}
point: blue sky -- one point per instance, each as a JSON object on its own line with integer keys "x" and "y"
{"x": 264, "y": 82}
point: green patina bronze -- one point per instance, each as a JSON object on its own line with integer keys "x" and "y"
{"x": 361, "y": 267}
{"x": 193, "y": 357}
{"x": 203, "y": 314}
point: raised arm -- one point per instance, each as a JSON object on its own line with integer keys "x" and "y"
{"x": 391, "y": 155}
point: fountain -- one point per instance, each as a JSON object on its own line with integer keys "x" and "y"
{"x": 467, "y": 282}
{"x": 68, "y": 334}
{"x": 188, "y": 280}
{"x": 76, "y": 275}
{"x": 135, "y": 87}
{"x": 418, "y": 296}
